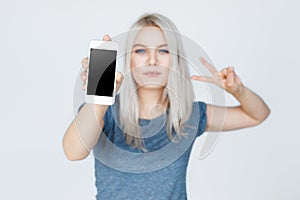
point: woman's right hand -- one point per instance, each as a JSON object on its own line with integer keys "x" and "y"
{"x": 85, "y": 66}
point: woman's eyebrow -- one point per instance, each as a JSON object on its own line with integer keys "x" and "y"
{"x": 142, "y": 45}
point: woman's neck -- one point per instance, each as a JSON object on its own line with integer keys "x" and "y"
{"x": 151, "y": 103}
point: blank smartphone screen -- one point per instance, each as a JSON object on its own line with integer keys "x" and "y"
{"x": 102, "y": 65}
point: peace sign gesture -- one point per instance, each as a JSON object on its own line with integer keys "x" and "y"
{"x": 226, "y": 78}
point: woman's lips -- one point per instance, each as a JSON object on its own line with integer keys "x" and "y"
{"x": 152, "y": 74}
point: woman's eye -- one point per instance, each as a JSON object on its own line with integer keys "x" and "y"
{"x": 163, "y": 51}
{"x": 140, "y": 51}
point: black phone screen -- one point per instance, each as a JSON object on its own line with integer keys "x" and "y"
{"x": 101, "y": 77}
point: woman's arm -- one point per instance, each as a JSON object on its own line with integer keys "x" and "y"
{"x": 252, "y": 109}
{"x": 84, "y": 131}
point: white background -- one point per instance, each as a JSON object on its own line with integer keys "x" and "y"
{"x": 43, "y": 42}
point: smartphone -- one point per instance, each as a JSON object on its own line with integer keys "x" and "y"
{"x": 101, "y": 73}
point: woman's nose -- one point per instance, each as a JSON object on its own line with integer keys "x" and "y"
{"x": 152, "y": 60}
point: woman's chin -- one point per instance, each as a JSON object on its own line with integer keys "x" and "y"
{"x": 152, "y": 85}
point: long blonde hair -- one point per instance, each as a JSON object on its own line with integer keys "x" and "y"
{"x": 178, "y": 91}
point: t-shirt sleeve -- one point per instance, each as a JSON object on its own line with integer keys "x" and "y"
{"x": 203, "y": 118}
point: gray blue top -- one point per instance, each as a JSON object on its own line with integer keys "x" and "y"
{"x": 123, "y": 172}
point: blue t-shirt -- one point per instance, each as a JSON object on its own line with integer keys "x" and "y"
{"x": 126, "y": 173}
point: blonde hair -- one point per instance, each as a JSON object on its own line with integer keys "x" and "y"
{"x": 178, "y": 83}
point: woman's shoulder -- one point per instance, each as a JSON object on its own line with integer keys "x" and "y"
{"x": 201, "y": 104}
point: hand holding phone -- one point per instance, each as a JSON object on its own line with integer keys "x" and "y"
{"x": 100, "y": 72}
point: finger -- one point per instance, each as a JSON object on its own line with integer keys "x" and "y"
{"x": 83, "y": 75}
{"x": 230, "y": 76}
{"x": 84, "y": 63}
{"x": 202, "y": 78}
{"x": 211, "y": 68}
{"x": 106, "y": 37}
{"x": 223, "y": 73}
{"x": 119, "y": 77}
{"x": 83, "y": 87}
{"x": 119, "y": 80}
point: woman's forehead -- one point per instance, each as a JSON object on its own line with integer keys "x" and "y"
{"x": 150, "y": 37}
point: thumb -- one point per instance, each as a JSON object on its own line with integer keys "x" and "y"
{"x": 119, "y": 81}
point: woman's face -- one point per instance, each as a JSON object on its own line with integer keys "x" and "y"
{"x": 150, "y": 58}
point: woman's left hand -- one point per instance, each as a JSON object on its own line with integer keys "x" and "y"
{"x": 226, "y": 78}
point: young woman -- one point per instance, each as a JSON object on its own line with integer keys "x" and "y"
{"x": 136, "y": 155}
